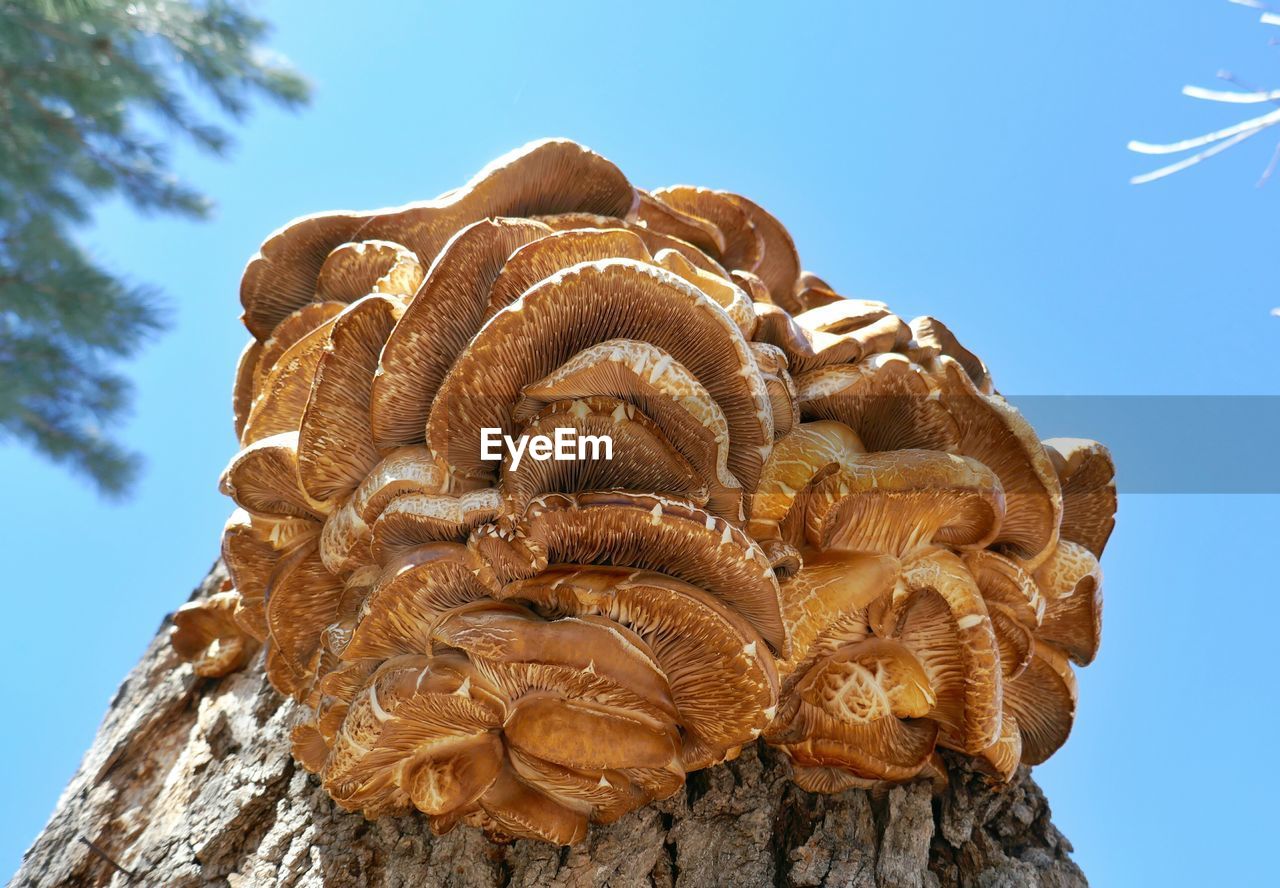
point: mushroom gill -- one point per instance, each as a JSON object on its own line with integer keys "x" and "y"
{"x": 815, "y": 523}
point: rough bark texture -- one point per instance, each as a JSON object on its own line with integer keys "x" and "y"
{"x": 190, "y": 783}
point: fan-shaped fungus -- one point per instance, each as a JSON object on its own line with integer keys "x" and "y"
{"x": 816, "y": 523}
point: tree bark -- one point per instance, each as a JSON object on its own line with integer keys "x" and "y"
{"x": 190, "y": 783}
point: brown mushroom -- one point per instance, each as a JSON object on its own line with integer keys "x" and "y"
{"x": 654, "y": 240}
{"x": 206, "y": 634}
{"x": 551, "y": 176}
{"x": 944, "y": 623}
{"x": 890, "y": 402}
{"x": 1042, "y": 702}
{"x": 293, "y": 328}
{"x": 402, "y": 471}
{"x": 585, "y": 305}
{"x": 643, "y": 531}
{"x": 664, "y": 390}
{"x": 785, "y": 408}
{"x": 811, "y": 452}
{"x": 417, "y": 518}
{"x": 411, "y": 594}
{"x": 302, "y": 599}
{"x": 637, "y": 455}
{"x": 282, "y": 392}
{"x": 540, "y": 259}
{"x": 1072, "y": 584}
{"x": 744, "y": 245}
{"x": 263, "y": 480}
{"x": 1087, "y": 476}
{"x": 250, "y": 549}
{"x": 354, "y": 270}
{"x": 806, "y": 350}
{"x": 813, "y": 292}
{"x": 819, "y": 524}
{"x": 336, "y": 449}
{"x": 779, "y": 266}
{"x": 438, "y": 324}
{"x": 725, "y": 293}
{"x": 242, "y": 394}
{"x": 721, "y": 676}
{"x": 825, "y": 605}
{"x": 932, "y": 334}
{"x": 992, "y": 432}
{"x": 1014, "y": 603}
{"x": 658, "y": 215}
{"x": 898, "y": 502}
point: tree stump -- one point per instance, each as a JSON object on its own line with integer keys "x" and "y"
{"x": 189, "y": 782}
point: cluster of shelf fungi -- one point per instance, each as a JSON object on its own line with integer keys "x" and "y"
{"x": 821, "y": 525}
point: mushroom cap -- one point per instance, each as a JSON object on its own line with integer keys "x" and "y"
{"x": 944, "y": 623}
{"x": 996, "y": 435}
{"x": 516, "y": 808}
{"x": 721, "y": 676}
{"x": 783, "y": 404}
{"x": 806, "y": 350}
{"x": 1087, "y": 476}
{"x": 251, "y": 547}
{"x": 354, "y": 270}
{"x": 779, "y": 266}
{"x": 548, "y": 176}
{"x": 297, "y": 325}
{"x": 842, "y": 316}
{"x": 583, "y": 306}
{"x": 932, "y": 334}
{"x": 206, "y": 634}
{"x": 402, "y": 471}
{"x": 664, "y": 390}
{"x": 411, "y": 594}
{"x": 643, "y": 531}
{"x": 824, "y": 604}
{"x": 654, "y": 240}
{"x": 1001, "y": 759}
{"x": 263, "y": 480}
{"x": 336, "y": 449}
{"x": 898, "y": 502}
{"x": 344, "y": 540}
{"x": 641, "y": 458}
{"x": 657, "y": 215}
{"x": 415, "y": 519}
{"x": 1014, "y": 603}
{"x": 868, "y": 680}
{"x": 302, "y": 600}
{"x": 890, "y": 402}
{"x": 888, "y": 748}
{"x": 437, "y": 325}
{"x": 284, "y": 387}
{"x": 242, "y": 393}
{"x": 744, "y": 246}
{"x": 1042, "y": 702}
{"x": 1072, "y": 584}
{"x": 725, "y": 293}
{"x": 555, "y": 251}
{"x": 809, "y": 453}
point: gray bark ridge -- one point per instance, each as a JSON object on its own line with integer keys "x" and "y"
{"x": 190, "y": 783}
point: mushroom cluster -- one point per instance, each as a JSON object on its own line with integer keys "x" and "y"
{"x": 817, "y": 523}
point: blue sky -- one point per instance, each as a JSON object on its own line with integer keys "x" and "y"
{"x": 964, "y": 160}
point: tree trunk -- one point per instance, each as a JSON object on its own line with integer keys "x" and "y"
{"x": 190, "y": 783}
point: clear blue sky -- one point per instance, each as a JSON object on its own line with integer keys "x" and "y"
{"x": 965, "y": 160}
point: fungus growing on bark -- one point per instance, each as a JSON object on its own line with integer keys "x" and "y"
{"x": 817, "y": 524}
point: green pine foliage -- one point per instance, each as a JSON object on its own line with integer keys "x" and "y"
{"x": 92, "y": 92}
